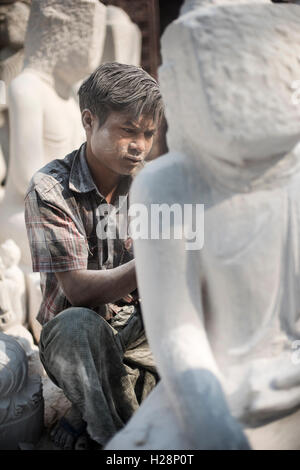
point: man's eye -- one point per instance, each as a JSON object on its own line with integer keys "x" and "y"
{"x": 149, "y": 134}
{"x": 129, "y": 131}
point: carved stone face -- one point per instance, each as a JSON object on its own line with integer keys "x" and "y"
{"x": 13, "y": 24}
{"x": 65, "y": 37}
{"x": 230, "y": 81}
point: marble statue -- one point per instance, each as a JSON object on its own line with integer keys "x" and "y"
{"x": 123, "y": 41}
{"x": 13, "y": 22}
{"x": 6, "y": 311}
{"x": 189, "y": 5}
{"x": 14, "y": 280}
{"x": 21, "y": 401}
{"x": 223, "y": 321}
{"x": 13, "y": 298}
{"x": 63, "y": 44}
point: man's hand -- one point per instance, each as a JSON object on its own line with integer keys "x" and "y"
{"x": 127, "y": 299}
{"x": 132, "y": 297}
{"x": 90, "y": 288}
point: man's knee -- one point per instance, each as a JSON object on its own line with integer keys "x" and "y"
{"x": 73, "y": 325}
{"x": 78, "y": 318}
{"x": 67, "y": 338}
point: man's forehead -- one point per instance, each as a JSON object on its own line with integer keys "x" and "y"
{"x": 140, "y": 122}
{"x": 143, "y": 122}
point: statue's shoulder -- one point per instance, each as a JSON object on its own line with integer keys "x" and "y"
{"x": 26, "y": 81}
{"x": 25, "y": 92}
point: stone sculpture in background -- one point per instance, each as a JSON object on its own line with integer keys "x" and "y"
{"x": 123, "y": 42}
{"x": 6, "y": 311}
{"x": 13, "y": 277}
{"x": 13, "y": 302}
{"x": 63, "y": 44}
{"x": 190, "y": 5}
{"x": 13, "y": 22}
{"x": 21, "y": 401}
{"x": 12, "y": 319}
{"x": 221, "y": 321}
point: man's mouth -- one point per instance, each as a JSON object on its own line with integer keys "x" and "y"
{"x": 134, "y": 159}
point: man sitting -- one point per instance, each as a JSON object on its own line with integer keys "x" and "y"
{"x": 92, "y": 343}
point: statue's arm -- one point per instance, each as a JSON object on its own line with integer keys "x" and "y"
{"x": 26, "y": 131}
{"x": 169, "y": 285}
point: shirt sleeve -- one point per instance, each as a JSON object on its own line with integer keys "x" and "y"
{"x": 56, "y": 243}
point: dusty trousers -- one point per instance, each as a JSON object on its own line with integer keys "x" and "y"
{"x": 105, "y": 369}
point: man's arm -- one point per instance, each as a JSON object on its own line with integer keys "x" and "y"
{"x": 58, "y": 246}
{"x": 89, "y": 288}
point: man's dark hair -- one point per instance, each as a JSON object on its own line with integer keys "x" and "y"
{"x": 121, "y": 87}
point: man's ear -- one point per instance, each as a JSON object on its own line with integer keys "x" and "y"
{"x": 88, "y": 119}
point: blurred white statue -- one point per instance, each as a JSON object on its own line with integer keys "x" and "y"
{"x": 13, "y": 299}
{"x": 6, "y": 311}
{"x": 13, "y": 22}
{"x": 190, "y": 5}
{"x": 63, "y": 44}
{"x": 14, "y": 280}
{"x": 123, "y": 42}
{"x": 222, "y": 321}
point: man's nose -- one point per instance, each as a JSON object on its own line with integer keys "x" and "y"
{"x": 137, "y": 147}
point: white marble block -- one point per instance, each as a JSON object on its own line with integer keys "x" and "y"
{"x": 63, "y": 44}
{"x": 222, "y": 321}
{"x": 14, "y": 18}
{"x": 123, "y": 41}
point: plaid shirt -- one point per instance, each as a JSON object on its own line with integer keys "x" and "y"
{"x": 61, "y": 214}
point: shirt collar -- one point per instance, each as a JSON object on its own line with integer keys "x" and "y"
{"x": 81, "y": 179}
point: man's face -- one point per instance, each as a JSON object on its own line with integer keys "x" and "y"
{"x": 121, "y": 143}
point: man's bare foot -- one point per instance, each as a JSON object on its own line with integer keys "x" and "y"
{"x": 69, "y": 432}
